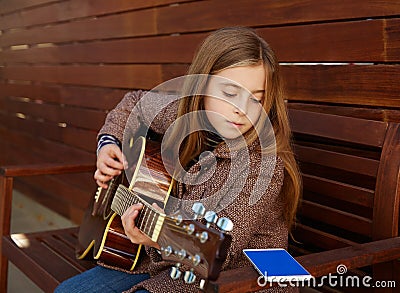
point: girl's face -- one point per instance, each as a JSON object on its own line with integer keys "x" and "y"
{"x": 233, "y": 101}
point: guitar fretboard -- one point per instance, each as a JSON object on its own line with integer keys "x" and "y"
{"x": 149, "y": 220}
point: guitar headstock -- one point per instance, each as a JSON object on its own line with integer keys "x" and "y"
{"x": 199, "y": 246}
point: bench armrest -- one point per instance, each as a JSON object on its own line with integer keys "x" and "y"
{"x": 318, "y": 264}
{"x": 45, "y": 169}
{"x": 8, "y": 173}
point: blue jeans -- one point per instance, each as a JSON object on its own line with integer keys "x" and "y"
{"x": 100, "y": 279}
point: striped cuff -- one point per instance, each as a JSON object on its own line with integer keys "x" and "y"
{"x": 106, "y": 139}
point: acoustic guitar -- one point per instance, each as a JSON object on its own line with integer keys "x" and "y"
{"x": 200, "y": 246}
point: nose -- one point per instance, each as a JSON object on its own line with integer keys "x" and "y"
{"x": 240, "y": 107}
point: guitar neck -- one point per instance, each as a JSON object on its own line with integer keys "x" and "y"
{"x": 149, "y": 220}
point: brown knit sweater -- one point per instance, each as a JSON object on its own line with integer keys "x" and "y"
{"x": 260, "y": 225}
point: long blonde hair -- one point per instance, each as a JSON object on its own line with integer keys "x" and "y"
{"x": 232, "y": 47}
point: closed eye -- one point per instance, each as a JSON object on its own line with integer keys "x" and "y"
{"x": 255, "y": 100}
{"x": 229, "y": 95}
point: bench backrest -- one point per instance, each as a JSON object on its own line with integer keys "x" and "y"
{"x": 351, "y": 178}
{"x": 64, "y": 63}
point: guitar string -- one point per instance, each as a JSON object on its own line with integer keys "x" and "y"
{"x": 149, "y": 211}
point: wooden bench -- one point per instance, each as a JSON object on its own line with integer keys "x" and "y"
{"x": 351, "y": 202}
{"x": 350, "y": 168}
{"x": 65, "y": 63}
{"x": 39, "y": 159}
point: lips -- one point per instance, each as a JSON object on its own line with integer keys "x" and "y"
{"x": 235, "y": 123}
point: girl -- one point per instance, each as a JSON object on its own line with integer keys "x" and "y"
{"x": 229, "y": 118}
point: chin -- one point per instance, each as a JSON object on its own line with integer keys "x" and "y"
{"x": 232, "y": 136}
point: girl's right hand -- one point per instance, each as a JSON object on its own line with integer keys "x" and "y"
{"x": 109, "y": 164}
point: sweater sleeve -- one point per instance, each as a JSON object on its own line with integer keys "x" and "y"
{"x": 117, "y": 118}
{"x": 137, "y": 109}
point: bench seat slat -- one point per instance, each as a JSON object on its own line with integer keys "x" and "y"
{"x": 56, "y": 244}
{"x": 37, "y": 256}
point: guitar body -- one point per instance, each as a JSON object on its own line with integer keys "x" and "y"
{"x": 105, "y": 240}
{"x": 101, "y": 234}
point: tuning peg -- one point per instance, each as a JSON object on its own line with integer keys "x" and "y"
{"x": 175, "y": 272}
{"x": 225, "y": 224}
{"x": 167, "y": 250}
{"x": 178, "y": 219}
{"x": 189, "y": 228}
{"x": 203, "y": 236}
{"x": 211, "y": 218}
{"x": 181, "y": 254}
{"x": 196, "y": 259}
{"x": 198, "y": 209}
{"x": 189, "y": 277}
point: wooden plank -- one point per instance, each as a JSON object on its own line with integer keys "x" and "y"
{"x": 84, "y": 181}
{"x": 352, "y": 41}
{"x": 363, "y": 85}
{"x": 198, "y": 16}
{"x": 12, "y": 157}
{"x": 387, "y": 196}
{"x": 159, "y": 49}
{"x": 11, "y": 6}
{"x": 73, "y": 212}
{"x": 90, "y": 97}
{"x": 121, "y": 76}
{"x": 336, "y": 218}
{"x": 80, "y": 138}
{"x": 355, "y": 41}
{"x": 306, "y": 236}
{"x": 72, "y": 9}
{"x": 55, "y": 190}
{"x": 208, "y": 16}
{"x": 378, "y": 114}
{"x": 338, "y": 175}
{"x": 359, "y": 255}
{"x": 337, "y": 127}
{"x": 44, "y": 169}
{"x": 339, "y": 190}
{"x": 60, "y": 248}
{"x": 43, "y": 150}
{"x": 48, "y": 268}
{"x": 34, "y": 256}
{"x": 59, "y": 113}
{"x": 61, "y": 245}
{"x": 336, "y": 160}
{"x": 26, "y": 166}
{"x": 374, "y": 85}
{"x": 136, "y": 23}
{"x": 392, "y": 31}
{"x": 6, "y": 187}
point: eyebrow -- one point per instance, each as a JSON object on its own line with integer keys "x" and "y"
{"x": 240, "y": 87}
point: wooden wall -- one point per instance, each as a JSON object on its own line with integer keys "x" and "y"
{"x": 82, "y": 45}
{"x": 64, "y": 63}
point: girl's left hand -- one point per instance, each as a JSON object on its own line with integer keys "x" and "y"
{"x": 134, "y": 234}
